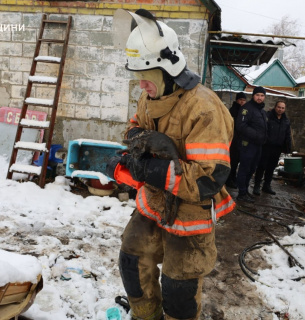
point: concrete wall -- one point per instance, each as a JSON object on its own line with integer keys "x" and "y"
{"x": 295, "y": 111}
{"x": 97, "y": 95}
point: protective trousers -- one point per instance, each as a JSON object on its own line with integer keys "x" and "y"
{"x": 268, "y": 162}
{"x": 249, "y": 157}
{"x": 185, "y": 261}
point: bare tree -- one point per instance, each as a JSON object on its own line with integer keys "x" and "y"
{"x": 293, "y": 58}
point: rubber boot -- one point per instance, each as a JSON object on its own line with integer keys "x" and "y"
{"x": 245, "y": 198}
{"x": 256, "y": 189}
{"x": 267, "y": 189}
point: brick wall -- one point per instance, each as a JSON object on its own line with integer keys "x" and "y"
{"x": 295, "y": 111}
{"x": 98, "y": 95}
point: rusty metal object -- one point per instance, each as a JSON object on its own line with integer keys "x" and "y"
{"x": 285, "y": 250}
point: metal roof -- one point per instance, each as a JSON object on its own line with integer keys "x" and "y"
{"x": 243, "y": 50}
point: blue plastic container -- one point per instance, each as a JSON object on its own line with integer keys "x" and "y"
{"x": 113, "y": 314}
{"x": 90, "y": 156}
{"x": 52, "y": 158}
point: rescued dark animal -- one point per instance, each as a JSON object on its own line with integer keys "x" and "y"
{"x": 155, "y": 143}
{"x": 160, "y": 145}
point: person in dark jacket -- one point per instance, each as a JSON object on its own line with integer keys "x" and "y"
{"x": 240, "y": 100}
{"x": 279, "y": 140}
{"x": 251, "y": 126}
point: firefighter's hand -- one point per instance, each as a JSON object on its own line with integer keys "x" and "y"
{"x": 111, "y": 165}
{"x": 135, "y": 166}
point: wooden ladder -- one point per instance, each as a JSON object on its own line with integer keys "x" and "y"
{"x": 44, "y": 148}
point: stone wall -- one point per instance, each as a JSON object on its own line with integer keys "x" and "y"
{"x": 97, "y": 95}
{"x": 295, "y": 111}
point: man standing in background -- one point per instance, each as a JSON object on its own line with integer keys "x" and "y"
{"x": 252, "y": 127}
{"x": 240, "y": 100}
{"x": 279, "y": 140}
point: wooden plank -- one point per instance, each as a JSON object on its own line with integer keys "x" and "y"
{"x": 15, "y": 288}
{"x": 3, "y": 290}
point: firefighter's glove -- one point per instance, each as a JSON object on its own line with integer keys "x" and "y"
{"x": 136, "y": 167}
{"x": 111, "y": 165}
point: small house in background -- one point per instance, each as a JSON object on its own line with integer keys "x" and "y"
{"x": 272, "y": 75}
{"x": 301, "y": 86}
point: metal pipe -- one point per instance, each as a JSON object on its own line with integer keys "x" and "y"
{"x": 285, "y": 250}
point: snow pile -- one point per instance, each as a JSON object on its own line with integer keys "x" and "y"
{"x": 73, "y": 237}
{"x": 283, "y": 287}
{"x": 18, "y": 268}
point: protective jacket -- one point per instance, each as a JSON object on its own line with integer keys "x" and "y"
{"x": 201, "y": 127}
{"x": 251, "y": 123}
{"x": 279, "y": 133}
{"x": 234, "y": 110}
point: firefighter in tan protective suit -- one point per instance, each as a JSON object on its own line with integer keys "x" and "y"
{"x": 175, "y": 104}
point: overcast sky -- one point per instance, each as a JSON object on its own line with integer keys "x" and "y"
{"x": 252, "y": 16}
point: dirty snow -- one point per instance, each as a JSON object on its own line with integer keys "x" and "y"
{"x": 73, "y": 237}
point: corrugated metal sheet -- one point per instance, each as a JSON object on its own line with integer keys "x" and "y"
{"x": 251, "y": 39}
{"x": 238, "y": 50}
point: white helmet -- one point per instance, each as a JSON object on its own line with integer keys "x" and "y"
{"x": 151, "y": 44}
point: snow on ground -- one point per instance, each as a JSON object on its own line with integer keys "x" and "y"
{"x": 74, "y": 237}
{"x": 275, "y": 285}
{"x": 65, "y": 231}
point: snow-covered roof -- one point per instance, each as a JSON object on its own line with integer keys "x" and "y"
{"x": 254, "y": 72}
{"x": 300, "y": 80}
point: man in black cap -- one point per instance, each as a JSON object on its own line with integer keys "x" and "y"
{"x": 240, "y": 100}
{"x": 251, "y": 126}
{"x": 279, "y": 140}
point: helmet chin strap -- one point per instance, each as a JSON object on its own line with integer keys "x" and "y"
{"x": 169, "y": 83}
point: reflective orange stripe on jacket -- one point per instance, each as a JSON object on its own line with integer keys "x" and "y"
{"x": 172, "y": 180}
{"x": 208, "y": 151}
{"x": 183, "y": 228}
{"x": 224, "y": 207}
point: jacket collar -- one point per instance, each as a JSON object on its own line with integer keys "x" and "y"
{"x": 275, "y": 115}
{"x": 158, "y": 108}
{"x": 258, "y": 105}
